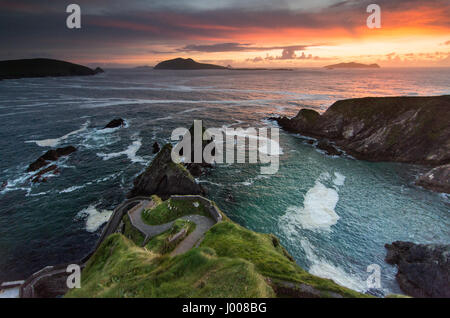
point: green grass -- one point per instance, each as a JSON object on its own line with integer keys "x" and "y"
{"x": 269, "y": 257}
{"x": 170, "y": 210}
{"x": 159, "y": 244}
{"x": 231, "y": 261}
{"x": 121, "y": 269}
{"x": 131, "y": 232}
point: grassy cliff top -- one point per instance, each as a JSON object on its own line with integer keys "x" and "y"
{"x": 231, "y": 261}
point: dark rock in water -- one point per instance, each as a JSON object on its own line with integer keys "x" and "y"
{"x": 118, "y": 122}
{"x": 423, "y": 269}
{"x": 164, "y": 178}
{"x": 41, "y": 68}
{"x": 38, "y": 177}
{"x": 4, "y": 185}
{"x": 328, "y": 148}
{"x": 437, "y": 179}
{"x": 51, "y": 155}
{"x": 401, "y": 129}
{"x": 156, "y": 147}
{"x": 185, "y": 64}
{"x": 99, "y": 70}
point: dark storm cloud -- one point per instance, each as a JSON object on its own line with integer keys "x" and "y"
{"x": 237, "y": 47}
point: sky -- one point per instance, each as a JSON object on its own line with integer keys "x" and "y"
{"x": 250, "y": 33}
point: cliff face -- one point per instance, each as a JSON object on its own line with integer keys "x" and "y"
{"x": 401, "y": 129}
{"x": 423, "y": 269}
{"x": 164, "y": 178}
{"x": 42, "y": 68}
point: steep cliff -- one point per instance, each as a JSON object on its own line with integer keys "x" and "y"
{"x": 164, "y": 178}
{"x": 402, "y": 129}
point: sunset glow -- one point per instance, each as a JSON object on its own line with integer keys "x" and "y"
{"x": 255, "y": 34}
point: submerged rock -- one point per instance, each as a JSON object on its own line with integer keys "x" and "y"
{"x": 38, "y": 177}
{"x": 164, "y": 178}
{"x": 118, "y": 122}
{"x": 51, "y": 155}
{"x": 423, "y": 269}
{"x": 437, "y": 179}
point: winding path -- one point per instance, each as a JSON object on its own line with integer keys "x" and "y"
{"x": 203, "y": 224}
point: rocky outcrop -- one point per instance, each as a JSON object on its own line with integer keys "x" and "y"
{"x": 164, "y": 178}
{"x": 39, "y": 176}
{"x": 118, "y": 122}
{"x": 402, "y": 129}
{"x": 198, "y": 168}
{"x": 51, "y": 155}
{"x": 185, "y": 64}
{"x": 41, "y": 68}
{"x": 351, "y": 65}
{"x": 156, "y": 147}
{"x": 437, "y": 179}
{"x": 423, "y": 269}
{"x": 329, "y": 149}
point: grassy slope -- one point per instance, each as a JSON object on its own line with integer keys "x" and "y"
{"x": 170, "y": 210}
{"x": 266, "y": 253}
{"x": 131, "y": 232}
{"x": 231, "y": 262}
{"x": 159, "y": 244}
{"x": 121, "y": 269}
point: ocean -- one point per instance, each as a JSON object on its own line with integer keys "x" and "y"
{"x": 333, "y": 214}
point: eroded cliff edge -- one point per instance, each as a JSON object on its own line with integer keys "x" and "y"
{"x": 402, "y": 129}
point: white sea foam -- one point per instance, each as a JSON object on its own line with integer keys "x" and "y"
{"x": 130, "y": 152}
{"x": 323, "y": 268}
{"x": 94, "y": 218}
{"x": 339, "y": 179}
{"x": 55, "y": 141}
{"x": 266, "y": 146}
{"x": 317, "y": 213}
{"x": 71, "y": 189}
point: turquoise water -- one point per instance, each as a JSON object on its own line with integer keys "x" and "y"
{"x": 334, "y": 215}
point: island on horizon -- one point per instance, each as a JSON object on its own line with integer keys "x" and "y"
{"x": 42, "y": 67}
{"x": 351, "y": 65}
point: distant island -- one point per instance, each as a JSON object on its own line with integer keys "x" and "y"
{"x": 38, "y": 67}
{"x": 186, "y": 64}
{"x": 190, "y": 64}
{"x": 351, "y": 65}
{"x": 143, "y": 67}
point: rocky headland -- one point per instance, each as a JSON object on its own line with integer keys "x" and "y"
{"x": 401, "y": 129}
{"x": 13, "y": 69}
{"x": 423, "y": 269}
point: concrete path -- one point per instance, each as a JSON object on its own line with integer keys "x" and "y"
{"x": 203, "y": 224}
